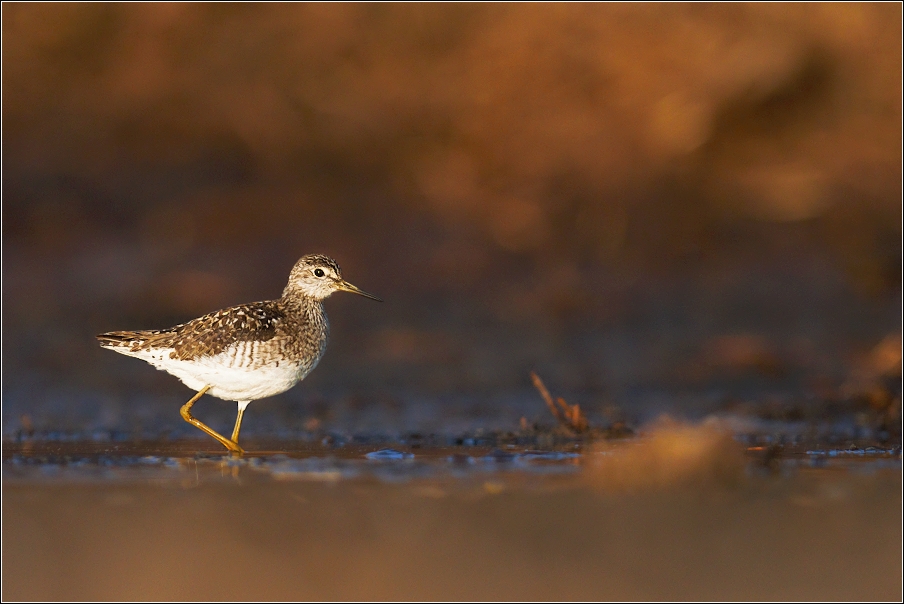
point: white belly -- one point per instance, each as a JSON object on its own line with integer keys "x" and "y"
{"x": 227, "y": 379}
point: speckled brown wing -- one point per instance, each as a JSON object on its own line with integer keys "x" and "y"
{"x": 207, "y": 335}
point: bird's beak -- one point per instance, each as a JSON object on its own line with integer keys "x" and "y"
{"x": 345, "y": 286}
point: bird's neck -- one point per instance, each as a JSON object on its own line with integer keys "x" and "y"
{"x": 301, "y": 303}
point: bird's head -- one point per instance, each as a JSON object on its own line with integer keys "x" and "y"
{"x": 317, "y": 276}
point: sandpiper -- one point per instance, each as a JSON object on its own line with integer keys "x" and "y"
{"x": 245, "y": 352}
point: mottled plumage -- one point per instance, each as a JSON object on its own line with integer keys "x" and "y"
{"x": 249, "y": 351}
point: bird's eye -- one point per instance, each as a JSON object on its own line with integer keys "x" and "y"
{"x": 318, "y": 272}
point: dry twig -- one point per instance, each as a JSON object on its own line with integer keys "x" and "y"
{"x": 569, "y": 416}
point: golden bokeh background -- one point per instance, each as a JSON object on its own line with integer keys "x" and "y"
{"x": 608, "y": 191}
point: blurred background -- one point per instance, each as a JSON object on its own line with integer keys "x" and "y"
{"x": 685, "y": 209}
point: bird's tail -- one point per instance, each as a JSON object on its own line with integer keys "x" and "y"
{"x": 120, "y": 339}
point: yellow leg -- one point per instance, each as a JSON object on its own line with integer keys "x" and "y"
{"x": 238, "y": 422}
{"x": 187, "y": 416}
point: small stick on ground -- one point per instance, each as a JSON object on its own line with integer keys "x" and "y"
{"x": 538, "y": 384}
{"x": 569, "y": 416}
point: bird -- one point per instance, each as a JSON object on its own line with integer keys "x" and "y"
{"x": 247, "y": 352}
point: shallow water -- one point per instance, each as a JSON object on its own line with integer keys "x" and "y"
{"x": 159, "y": 520}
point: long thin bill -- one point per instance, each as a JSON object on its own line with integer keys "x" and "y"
{"x": 348, "y": 287}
